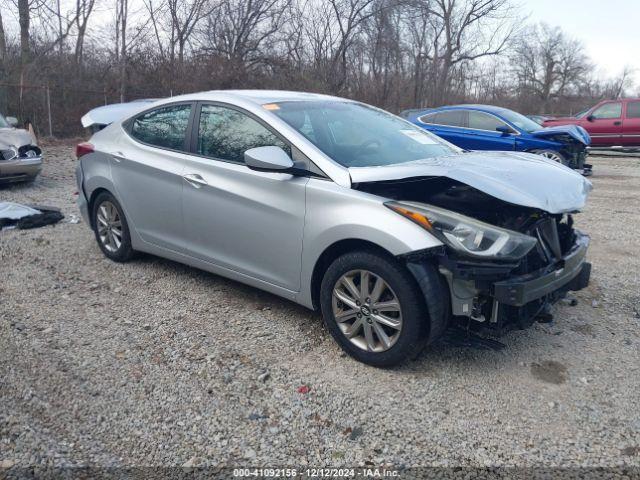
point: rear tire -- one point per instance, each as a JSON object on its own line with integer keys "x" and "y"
{"x": 111, "y": 228}
{"x": 349, "y": 311}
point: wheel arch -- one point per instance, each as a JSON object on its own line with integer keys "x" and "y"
{"x": 92, "y": 199}
{"x": 332, "y": 252}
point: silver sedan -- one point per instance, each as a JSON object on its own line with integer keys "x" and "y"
{"x": 392, "y": 233}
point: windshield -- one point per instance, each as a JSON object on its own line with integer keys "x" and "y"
{"x": 3, "y": 122}
{"x": 520, "y": 121}
{"x": 356, "y": 135}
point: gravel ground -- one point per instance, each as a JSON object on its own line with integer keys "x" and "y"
{"x": 155, "y": 363}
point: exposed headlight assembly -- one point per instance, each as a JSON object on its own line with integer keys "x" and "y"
{"x": 9, "y": 153}
{"x": 466, "y": 235}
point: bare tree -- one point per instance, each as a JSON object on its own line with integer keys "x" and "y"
{"x": 421, "y": 40}
{"x": 84, "y": 8}
{"x": 240, "y": 30}
{"x": 3, "y": 45}
{"x": 127, "y": 36}
{"x": 4, "y": 57}
{"x": 548, "y": 64}
{"x": 24, "y": 19}
{"x": 465, "y": 31}
{"x": 174, "y": 21}
{"x": 620, "y": 84}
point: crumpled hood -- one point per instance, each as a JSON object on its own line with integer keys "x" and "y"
{"x": 514, "y": 177}
{"x": 574, "y": 131}
{"x": 14, "y": 137}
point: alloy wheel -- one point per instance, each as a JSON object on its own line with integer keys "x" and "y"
{"x": 109, "y": 226}
{"x": 367, "y": 310}
{"x": 552, "y": 156}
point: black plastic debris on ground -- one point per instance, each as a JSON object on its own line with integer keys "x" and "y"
{"x": 27, "y": 216}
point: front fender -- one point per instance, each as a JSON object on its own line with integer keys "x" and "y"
{"x": 335, "y": 213}
{"x": 531, "y": 143}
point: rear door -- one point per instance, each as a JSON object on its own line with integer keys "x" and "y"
{"x": 631, "y": 125}
{"x": 146, "y": 167}
{"x": 447, "y": 124}
{"x": 604, "y": 125}
{"x": 247, "y": 221}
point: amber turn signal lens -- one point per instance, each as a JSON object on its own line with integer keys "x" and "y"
{"x": 413, "y": 216}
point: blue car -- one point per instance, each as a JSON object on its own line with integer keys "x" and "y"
{"x": 485, "y": 127}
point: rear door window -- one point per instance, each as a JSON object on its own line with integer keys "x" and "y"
{"x": 633, "y": 110}
{"x": 450, "y": 118}
{"x": 429, "y": 118}
{"x": 608, "y": 110}
{"x": 164, "y": 127}
{"x": 225, "y": 134}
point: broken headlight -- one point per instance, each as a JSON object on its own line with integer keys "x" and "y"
{"x": 466, "y": 235}
{"x": 8, "y": 153}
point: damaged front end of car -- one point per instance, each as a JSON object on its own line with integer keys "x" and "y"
{"x": 508, "y": 253}
{"x": 574, "y": 142}
{"x": 19, "y": 161}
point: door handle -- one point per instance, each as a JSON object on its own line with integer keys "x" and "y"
{"x": 195, "y": 180}
{"x": 617, "y": 123}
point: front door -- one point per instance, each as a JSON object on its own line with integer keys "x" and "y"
{"x": 247, "y": 221}
{"x": 604, "y": 125}
{"x": 483, "y": 133}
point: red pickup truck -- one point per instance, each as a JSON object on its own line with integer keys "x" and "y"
{"x": 611, "y": 123}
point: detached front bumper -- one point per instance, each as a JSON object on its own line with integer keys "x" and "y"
{"x": 496, "y": 297}
{"x": 20, "y": 169}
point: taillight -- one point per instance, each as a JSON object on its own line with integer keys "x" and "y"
{"x": 83, "y": 148}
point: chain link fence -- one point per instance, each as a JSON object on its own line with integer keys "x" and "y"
{"x": 56, "y": 110}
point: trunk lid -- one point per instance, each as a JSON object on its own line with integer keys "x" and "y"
{"x": 100, "y": 117}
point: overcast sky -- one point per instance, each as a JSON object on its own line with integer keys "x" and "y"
{"x": 609, "y": 29}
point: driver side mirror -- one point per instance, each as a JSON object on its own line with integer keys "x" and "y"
{"x": 591, "y": 118}
{"x": 504, "y": 130}
{"x": 268, "y": 159}
{"x": 13, "y": 121}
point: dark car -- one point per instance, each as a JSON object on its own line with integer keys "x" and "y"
{"x": 610, "y": 123}
{"x": 485, "y": 127}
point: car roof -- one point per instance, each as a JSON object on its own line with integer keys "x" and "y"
{"x": 259, "y": 97}
{"x": 475, "y": 106}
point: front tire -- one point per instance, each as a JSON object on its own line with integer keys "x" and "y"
{"x": 551, "y": 155}
{"x": 111, "y": 228}
{"x": 374, "y": 308}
